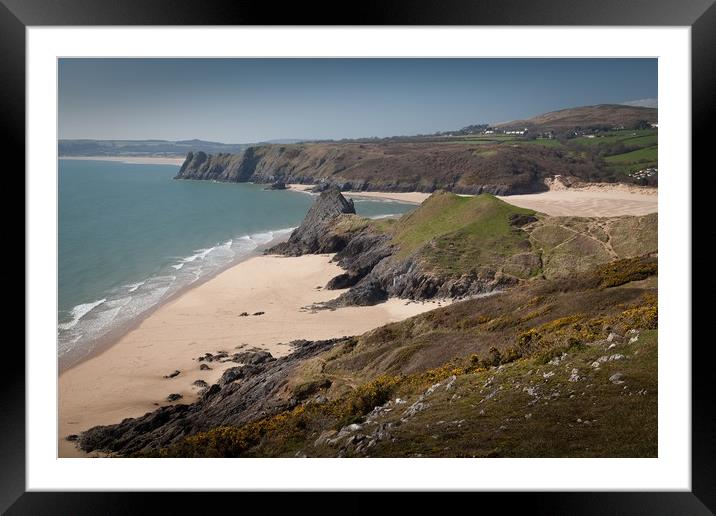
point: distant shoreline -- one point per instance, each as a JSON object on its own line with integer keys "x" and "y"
{"x": 134, "y": 160}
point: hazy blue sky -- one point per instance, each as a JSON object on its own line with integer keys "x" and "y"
{"x": 250, "y": 100}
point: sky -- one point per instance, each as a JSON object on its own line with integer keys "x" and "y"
{"x": 253, "y": 100}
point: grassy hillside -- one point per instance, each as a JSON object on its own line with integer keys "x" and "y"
{"x": 563, "y": 368}
{"x": 603, "y": 115}
{"x": 456, "y": 234}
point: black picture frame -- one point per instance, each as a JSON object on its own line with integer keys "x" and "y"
{"x": 700, "y": 15}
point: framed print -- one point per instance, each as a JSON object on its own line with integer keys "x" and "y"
{"x": 416, "y": 250}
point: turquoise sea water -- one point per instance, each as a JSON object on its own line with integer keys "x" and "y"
{"x": 130, "y": 236}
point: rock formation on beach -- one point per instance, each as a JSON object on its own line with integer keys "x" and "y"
{"x": 456, "y": 247}
{"x": 314, "y": 235}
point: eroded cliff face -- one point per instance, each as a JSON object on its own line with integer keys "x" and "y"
{"x": 391, "y": 166}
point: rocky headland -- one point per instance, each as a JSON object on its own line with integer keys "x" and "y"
{"x": 391, "y": 167}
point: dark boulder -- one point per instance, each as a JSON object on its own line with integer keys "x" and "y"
{"x": 238, "y": 373}
{"x": 252, "y": 357}
{"x": 345, "y": 280}
{"x": 174, "y": 397}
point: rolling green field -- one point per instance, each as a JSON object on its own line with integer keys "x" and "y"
{"x": 645, "y": 155}
{"x": 633, "y": 161}
{"x": 637, "y": 137}
{"x": 619, "y": 152}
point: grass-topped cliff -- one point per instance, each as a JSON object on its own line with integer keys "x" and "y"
{"x": 457, "y": 246}
{"x": 461, "y": 167}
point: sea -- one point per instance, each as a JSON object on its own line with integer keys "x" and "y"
{"x": 131, "y": 237}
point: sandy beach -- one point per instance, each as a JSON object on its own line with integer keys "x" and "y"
{"x": 598, "y": 200}
{"x": 137, "y": 160}
{"x": 127, "y": 379}
{"x": 587, "y": 203}
{"x": 409, "y": 197}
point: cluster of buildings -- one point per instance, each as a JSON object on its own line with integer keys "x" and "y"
{"x": 644, "y": 173}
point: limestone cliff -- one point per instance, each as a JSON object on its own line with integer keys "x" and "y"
{"x": 425, "y": 167}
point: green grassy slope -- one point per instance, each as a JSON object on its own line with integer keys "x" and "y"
{"x": 453, "y": 234}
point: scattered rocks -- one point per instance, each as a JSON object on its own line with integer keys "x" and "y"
{"x": 252, "y": 357}
{"x": 450, "y": 382}
{"x": 324, "y": 437}
{"x": 532, "y": 391}
{"x": 420, "y": 404}
{"x": 616, "y": 356}
{"x": 616, "y": 378}
{"x": 413, "y": 409}
{"x": 350, "y": 428}
{"x": 201, "y": 384}
{"x": 204, "y": 367}
{"x": 599, "y": 361}
{"x": 556, "y": 360}
{"x": 549, "y": 374}
{"x": 174, "y": 397}
{"x": 172, "y": 375}
{"x": 574, "y": 377}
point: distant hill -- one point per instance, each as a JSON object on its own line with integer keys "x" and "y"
{"x": 144, "y": 147}
{"x": 605, "y": 116}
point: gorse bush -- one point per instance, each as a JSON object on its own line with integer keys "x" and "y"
{"x": 623, "y": 271}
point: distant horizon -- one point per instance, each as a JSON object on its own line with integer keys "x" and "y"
{"x": 634, "y": 103}
{"x": 238, "y": 101}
